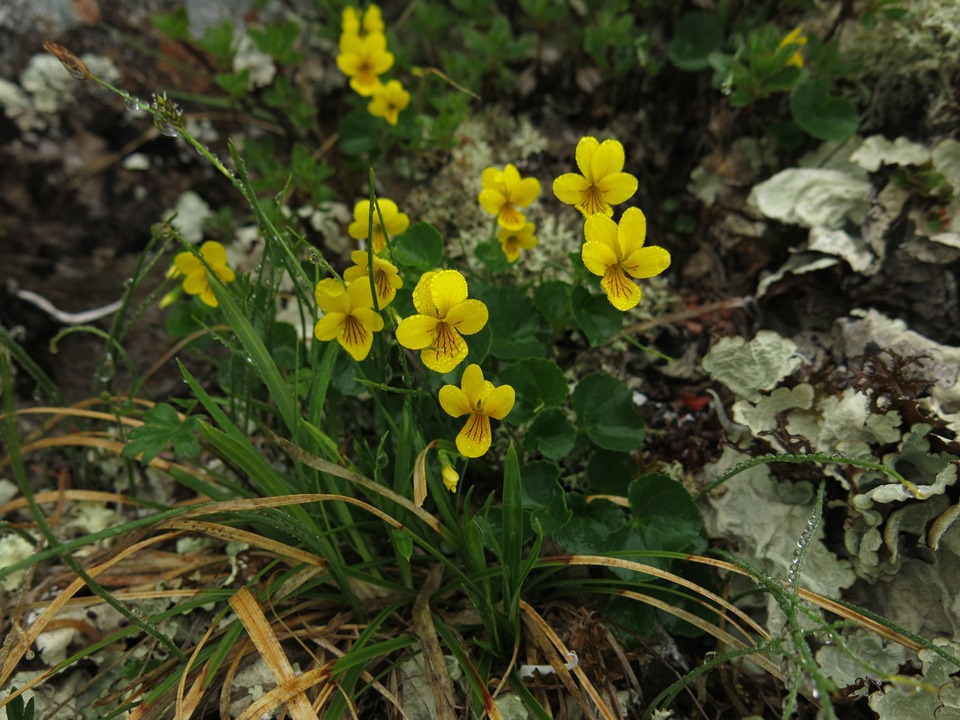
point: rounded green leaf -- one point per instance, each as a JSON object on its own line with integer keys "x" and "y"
{"x": 513, "y": 322}
{"x": 822, "y": 115}
{"x": 539, "y": 383}
{"x": 606, "y": 412}
{"x": 594, "y": 314}
{"x": 552, "y": 434}
{"x": 419, "y": 246}
{"x": 697, "y": 35}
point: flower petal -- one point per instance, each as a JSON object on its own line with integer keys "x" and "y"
{"x": 621, "y": 291}
{"x": 525, "y": 192}
{"x": 422, "y": 299}
{"x": 468, "y": 316}
{"x": 586, "y": 149}
{"x": 453, "y": 401}
{"x": 328, "y": 327}
{"x": 647, "y": 262}
{"x": 607, "y": 160}
{"x": 472, "y": 385}
{"x": 618, "y": 187}
{"x": 208, "y": 298}
{"x": 511, "y": 218}
{"x": 569, "y": 188}
{"x": 474, "y": 440}
{"x": 491, "y": 178}
{"x": 500, "y": 402}
{"x": 355, "y": 338}
{"x": 448, "y": 350}
{"x": 631, "y": 231}
{"x": 447, "y": 288}
{"x": 491, "y": 200}
{"x": 597, "y": 258}
{"x": 187, "y": 263}
{"x": 601, "y": 229}
{"x": 417, "y": 331}
{"x": 214, "y": 253}
{"x": 196, "y": 282}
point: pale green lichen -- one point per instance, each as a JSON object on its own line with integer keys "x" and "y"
{"x": 908, "y": 65}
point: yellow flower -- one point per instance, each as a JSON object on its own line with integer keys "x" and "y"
{"x": 613, "y": 251}
{"x": 513, "y": 241}
{"x": 504, "y": 191}
{"x": 798, "y": 38}
{"x": 445, "y": 314}
{"x": 396, "y": 222}
{"x": 479, "y": 399}
{"x": 195, "y": 282}
{"x": 388, "y": 100}
{"x": 364, "y": 59}
{"x": 386, "y": 276}
{"x": 348, "y": 316}
{"x": 602, "y": 183}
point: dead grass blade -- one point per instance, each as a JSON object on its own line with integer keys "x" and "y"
{"x": 434, "y": 667}
{"x": 248, "y": 610}
{"x": 542, "y": 631}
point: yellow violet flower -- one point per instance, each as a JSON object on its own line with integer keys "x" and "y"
{"x": 396, "y": 222}
{"x": 195, "y": 282}
{"x": 348, "y": 316}
{"x": 504, "y": 191}
{"x": 794, "y": 37}
{"x": 388, "y": 100}
{"x": 613, "y": 251}
{"x": 479, "y": 399}
{"x": 513, "y": 241}
{"x": 602, "y": 182}
{"x": 386, "y": 276}
{"x": 445, "y": 314}
{"x": 363, "y": 60}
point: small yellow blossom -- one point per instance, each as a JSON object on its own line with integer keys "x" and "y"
{"x": 602, "y": 182}
{"x": 504, "y": 191}
{"x": 445, "y": 314}
{"x": 795, "y": 37}
{"x": 612, "y": 251}
{"x": 449, "y": 474}
{"x": 395, "y": 221}
{"x": 348, "y": 316}
{"x": 513, "y": 241}
{"x": 386, "y": 276}
{"x": 388, "y": 101}
{"x": 363, "y": 60}
{"x": 479, "y": 399}
{"x": 195, "y": 282}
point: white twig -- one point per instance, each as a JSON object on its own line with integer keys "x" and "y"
{"x": 66, "y": 318}
{"x": 529, "y": 671}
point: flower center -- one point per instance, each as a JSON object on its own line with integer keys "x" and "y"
{"x": 592, "y": 201}
{"x": 618, "y": 284}
{"x": 510, "y": 215}
{"x": 445, "y": 341}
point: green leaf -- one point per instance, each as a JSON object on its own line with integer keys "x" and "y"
{"x": 490, "y": 253}
{"x": 513, "y": 322}
{"x": 664, "y": 510}
{"x": 610, "y": 473}
{"x": 606, "y": 412}
{"x": 175, "y": 24}
{"x": 543, "y": 497}
{"x": 552, "y": 434}
{"x": 594, "y": 314}
{"x": 419, "y": 246}
{"x": 590, "y": 527}
{"x": 697, "y": 34}
{"x": 552, "y": 299}
{"x": 162, "y": 427}
{"x": 822, "y": 115}
{"x": 539, "y": 383}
